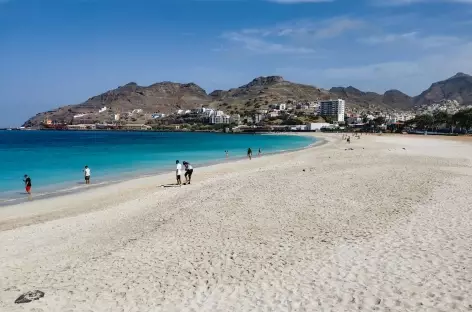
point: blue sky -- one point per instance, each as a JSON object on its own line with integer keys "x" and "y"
{"x": 58, "y": 52}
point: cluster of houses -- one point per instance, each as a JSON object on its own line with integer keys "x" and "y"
{"x": 390, "y": 118}
{"x": 212, "y": 116}
{"x": 334, "y": 109}
{"x": 118, "y": 117}
{"x": 449, "y": 106}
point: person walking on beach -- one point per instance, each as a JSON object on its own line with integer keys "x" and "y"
{"x": 87, "y": 174}
{"x": 249, "y": 153}
{"x": 178, "y": 172}
{"x": 27, "y": 181}
{"x": 259, "y": 152}
{"x": 227, "y": 154}
{"x": 188, "y": 172}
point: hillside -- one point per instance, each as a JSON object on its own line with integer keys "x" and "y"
{"x": 164, "y": 97}
{"x": 458, "y": 88}
{"x": 262, "y": 91}
{"x": 168, "y": 97}
{"x": 357, "y": 99}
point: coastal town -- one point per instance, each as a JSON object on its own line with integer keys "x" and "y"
{"x": 265, "y": 104}
{"x": 286, "y": 116}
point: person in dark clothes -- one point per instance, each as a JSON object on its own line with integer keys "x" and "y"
{"x": 188, "y": 172}
{"x": 249, "y": 153}
{"x": 27, "y": 181}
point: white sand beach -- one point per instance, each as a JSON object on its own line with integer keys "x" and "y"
{"x": 386, "y": 226}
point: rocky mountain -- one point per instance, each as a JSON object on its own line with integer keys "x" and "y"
{"x": 167, "y": 97}
{"x": 397, "y": 99}
{"x": 458, "y": 88}
{"x": 262, "y": 91}
{"x": 163, "y": 97}
{"x": 392, "y": 99}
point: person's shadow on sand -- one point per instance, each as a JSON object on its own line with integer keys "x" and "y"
{"x": 170, "y": 185}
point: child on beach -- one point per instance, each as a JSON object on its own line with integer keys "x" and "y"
{"x": 27, "y": 181}
{"x": 178, "y": 172}
{"x": 87, "y": 174}
{"x": 188, "y": 172}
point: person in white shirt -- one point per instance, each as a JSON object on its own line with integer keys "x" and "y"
{"x": 178, "y": 172}
{"x": 188, "y": 172}
{"x": 87, "y": 175}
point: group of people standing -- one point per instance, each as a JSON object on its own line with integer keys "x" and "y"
{"x": 188, "y": 172}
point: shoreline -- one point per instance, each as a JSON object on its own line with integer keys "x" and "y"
{"x": 158, "y": 180}
{"x": 15, "y": 197}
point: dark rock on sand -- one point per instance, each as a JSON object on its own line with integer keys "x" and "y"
{"x": 30, "y": 296}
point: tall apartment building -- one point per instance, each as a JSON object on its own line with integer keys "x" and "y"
{"x": 334, "y": 108}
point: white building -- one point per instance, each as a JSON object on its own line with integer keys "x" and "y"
{"x": 157, "y": 115}
{"x": 101, "y": 110}
{"x": 316, "y": 126}
{"x": 334, "y": 108}
{"x": 282, "y": 106}
{"x": 404, "y": 117}
{"x": 117, "y": 117}
{"x": 203, "y": 110}
{"x": 180, "y": 112}
{"x": 298, "y": 128}
{"x": 219, "y": 119}
{"x": 208, "y": 112}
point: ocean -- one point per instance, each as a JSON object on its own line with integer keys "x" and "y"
{"x": 55, "y": 159}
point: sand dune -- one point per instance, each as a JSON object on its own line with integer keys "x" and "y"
{"x": 384, "y": 227}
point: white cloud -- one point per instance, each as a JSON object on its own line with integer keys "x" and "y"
{"x": 309, "y": 29}
{"x": 413, "y": 38}
{"x": 411, "y": 77}
{"x": 260, "y": 46}
{"x": 373, "y": 52}
{"x": 300, "y": 37}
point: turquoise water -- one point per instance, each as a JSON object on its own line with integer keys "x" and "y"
{"x": 55, "y": 159}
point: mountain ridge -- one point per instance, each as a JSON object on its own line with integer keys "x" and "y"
{"x": 167, "y": 97}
